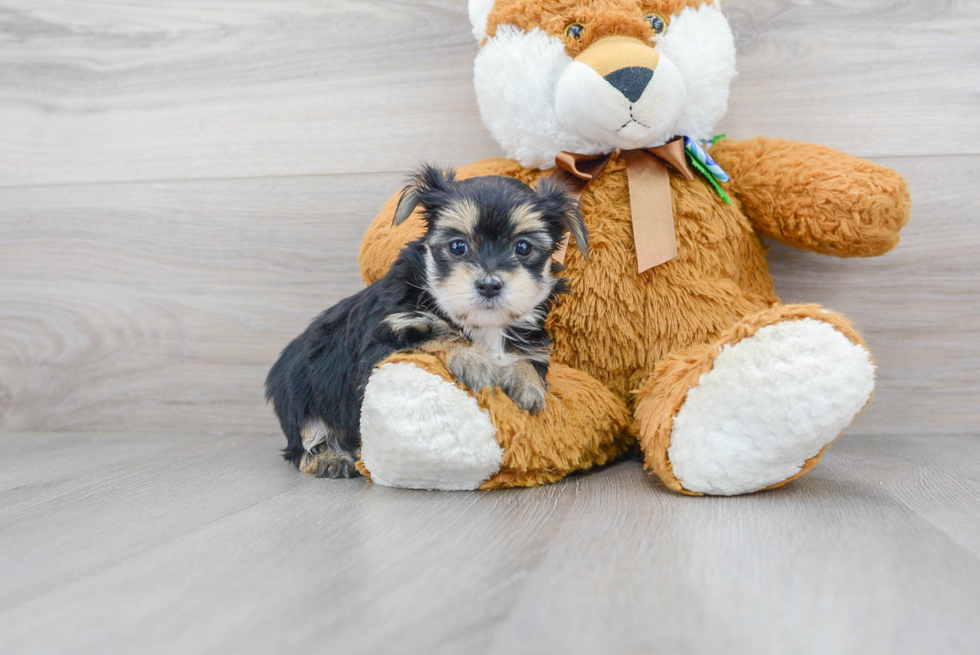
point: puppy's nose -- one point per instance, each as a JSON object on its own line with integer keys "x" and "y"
{"x": 490, "y": 286}
{"x": 631, "y": 81}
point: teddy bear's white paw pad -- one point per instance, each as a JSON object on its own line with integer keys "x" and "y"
{"x": 770, "y": 403}
{"x": 419, "y": 431}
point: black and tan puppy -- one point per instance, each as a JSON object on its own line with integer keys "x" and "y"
{"x": 476, "y": 288}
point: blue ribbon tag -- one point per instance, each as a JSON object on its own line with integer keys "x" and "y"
{"x": 708, "y": 167}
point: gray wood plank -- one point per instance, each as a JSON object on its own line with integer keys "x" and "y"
{"x": 92, "y": 520}
{"x": 162, "y": 305}
{"x": 165, "y": 304}
{"x": 209, "y": 548}
{"x": 831, "y": 565}
{"x": 47, "y": 467}
{"x": 889, "y": 78}
{"x": 938, "y": 479}
{"x": 145, "y": 90}
{"x": 311, "y": 554}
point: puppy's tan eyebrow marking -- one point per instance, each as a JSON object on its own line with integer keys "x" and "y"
{"x": 461, "y": 215}
{"x": 526, "y": 218}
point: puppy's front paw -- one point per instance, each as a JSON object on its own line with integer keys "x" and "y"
{"x": 521, "y": 382}
{"x": 472, "y": 368}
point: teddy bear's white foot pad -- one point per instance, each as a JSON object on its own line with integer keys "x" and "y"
{"x": 770, "y": 403}
{"x": 419, "y": 431}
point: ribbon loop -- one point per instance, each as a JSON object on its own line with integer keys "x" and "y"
{"x": 651, "y": 206}
{"x": 584, "y": 167}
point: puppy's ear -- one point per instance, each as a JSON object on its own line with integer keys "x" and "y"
{"x": 406, "y": 205}
{"x": 427, "y": 187}
{"x": 558, "y": 198}
{"x": 576, "y": 225}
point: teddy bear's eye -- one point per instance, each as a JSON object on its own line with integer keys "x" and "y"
{"x": 658, "y": 24}
{"x": 575, "y": 30}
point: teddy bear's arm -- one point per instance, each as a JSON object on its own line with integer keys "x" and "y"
{"x": 816, "y": 198}
{"x": 383, "y": 241}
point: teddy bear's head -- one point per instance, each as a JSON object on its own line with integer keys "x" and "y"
{"x": 596, "y": 76}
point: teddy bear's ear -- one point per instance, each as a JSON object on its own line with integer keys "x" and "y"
{"x": 479, "y": 12}
{"x": 426, "y": 187}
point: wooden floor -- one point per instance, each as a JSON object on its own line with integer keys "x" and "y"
{"x": 183, "y": 185}
{"x": 190, "y": 544}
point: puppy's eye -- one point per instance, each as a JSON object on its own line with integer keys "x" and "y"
{"x": 658, "y": 24}
{"x": 458, "y": 248}
{"x": 523, "y": 248}
{"x": 575, "y": 30}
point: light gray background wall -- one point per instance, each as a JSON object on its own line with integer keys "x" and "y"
{"x": 184, "y": 185}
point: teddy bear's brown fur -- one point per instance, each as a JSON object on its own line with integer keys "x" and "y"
{"x": 630, "y": 348}
{"x": 647, "y": 337}
{"x": 619, "y": 17}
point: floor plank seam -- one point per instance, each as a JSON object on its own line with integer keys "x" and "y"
{"x": 195, "y": 180}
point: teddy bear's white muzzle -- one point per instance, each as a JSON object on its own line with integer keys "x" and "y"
{"x": 627, "y": 107}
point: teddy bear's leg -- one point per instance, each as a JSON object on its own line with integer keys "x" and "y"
{"x": 421, "y": 430}
{"x": 756, "y": 408}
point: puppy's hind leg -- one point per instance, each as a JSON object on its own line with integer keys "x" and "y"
{"x": 325, "y": 456}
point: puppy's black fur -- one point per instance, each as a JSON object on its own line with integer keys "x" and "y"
{"x": 322, "y": 373}
{"x": 317, "y": 385}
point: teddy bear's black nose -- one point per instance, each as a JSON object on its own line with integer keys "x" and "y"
{"x": 631, "y": 81}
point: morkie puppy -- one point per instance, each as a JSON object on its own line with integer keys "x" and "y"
{"x": 475, "y": 290}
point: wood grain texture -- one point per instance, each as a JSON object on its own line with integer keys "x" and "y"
{"x": 176, "y": 543}
{"x": 147, "y": 90}
{"x": 129, "y": 303}
{"x": 162, "y": 305}
{"x": 183, "y": 185}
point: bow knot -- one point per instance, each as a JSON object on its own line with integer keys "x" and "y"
{"x": 649, "y": 187}
{"x": 588, "y": 167}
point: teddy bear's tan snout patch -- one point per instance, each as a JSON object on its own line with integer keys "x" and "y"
{"x": 628, "y": 64}
{"x": 615, "y": 53}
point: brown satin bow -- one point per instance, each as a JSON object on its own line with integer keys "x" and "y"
{"x": 650, "y": 203}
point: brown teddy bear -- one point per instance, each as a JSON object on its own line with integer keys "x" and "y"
{"x": 673, "y": 337}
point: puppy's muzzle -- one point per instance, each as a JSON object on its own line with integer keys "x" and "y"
{"x": 628, "y": 64}
{"x": 489, "y": 286}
